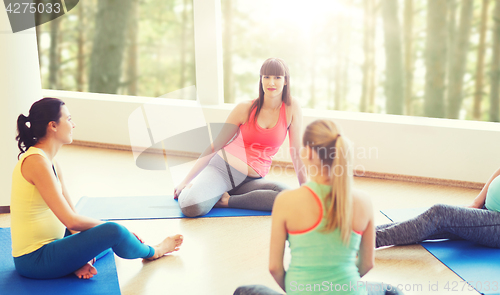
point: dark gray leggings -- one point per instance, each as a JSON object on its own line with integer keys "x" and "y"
{"x": 444, "y": 222}
{"x": 219, "y": 177}
{"x": 371, "y": 288}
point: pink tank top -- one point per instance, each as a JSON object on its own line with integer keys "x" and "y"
{"x": 257, "y": 146}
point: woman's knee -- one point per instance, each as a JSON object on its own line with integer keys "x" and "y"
{"x": 113, "y": 231}
{"x": 192, "y": 204}
{"x": 271, "y": 185}
{"x": 281, "y": 187}
{"x": 438, "y": 213}
{"x": 194, "y": 210}
{"x": 438, "y": 210}
{"x": 190, "y": 196}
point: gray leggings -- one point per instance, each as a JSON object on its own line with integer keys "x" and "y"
{"x": 371, "y": 288}
{"x": 444, "y": 222}
{"x": 219, "y": 177}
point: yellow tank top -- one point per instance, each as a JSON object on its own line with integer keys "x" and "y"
{"x": 33, "y": 224}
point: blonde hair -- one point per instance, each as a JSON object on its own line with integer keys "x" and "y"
{"x": 334, "y": 152}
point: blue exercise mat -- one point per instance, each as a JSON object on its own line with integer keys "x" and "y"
{"x": 147, "y": 207}
{"x": 104, "y": 283}
{"x": 478, "y": 265}
{"x": 397, "y": 215}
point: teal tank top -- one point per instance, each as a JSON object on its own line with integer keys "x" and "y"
{"x": 493, "y": 195}
{"x": 321, "y": 263}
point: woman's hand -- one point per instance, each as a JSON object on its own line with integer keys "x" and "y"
{"x": 178, "y": 189}
{"x": 480, "y": 200}
{"x": 475, "y": 205}
{"x": 140, "y": 240}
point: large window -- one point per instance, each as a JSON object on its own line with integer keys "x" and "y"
{"x": 434, "y": 58}
{"x": 131, "y": 47}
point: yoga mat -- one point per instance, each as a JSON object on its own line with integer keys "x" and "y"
{"x": 478, "y": 265}
{"x": 147, "y": 207}
{"x": 397, "y": 215}
{"x": 104, "y": 283}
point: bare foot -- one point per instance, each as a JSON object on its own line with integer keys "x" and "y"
{"x": 223, "y": 201}
{"x": 86, "y": 272}
{"x": 170, "y": 244}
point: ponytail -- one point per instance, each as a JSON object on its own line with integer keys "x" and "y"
{"x": 24, "y": 137}
{"x": 42, "y": 112}
{"x": 339, "y": 202}
{"x": 335, "y": 153}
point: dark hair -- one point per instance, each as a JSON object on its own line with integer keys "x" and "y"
{"x": 42, "y": 112}
{"x": 273, "y": 67}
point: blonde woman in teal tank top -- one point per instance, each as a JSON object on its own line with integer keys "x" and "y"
{"x": 322, "y": 240}
{"x": 329, "y": 226}
{"x": 321, "y": 261}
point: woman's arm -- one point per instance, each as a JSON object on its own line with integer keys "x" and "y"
{"x": 366, "y": 254}
{"x": 295, "y": 134}
{"x": 64, "y": 190}
{"x": 278, "y": 239}
{"x": 237, "y": 117}
{"x": 38, "y": 171}
{"x": 481, "y": 198}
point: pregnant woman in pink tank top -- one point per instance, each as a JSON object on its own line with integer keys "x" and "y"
{"x": 231, "y": 173}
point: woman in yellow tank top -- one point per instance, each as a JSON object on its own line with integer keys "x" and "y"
{"x": 49, "y": 238}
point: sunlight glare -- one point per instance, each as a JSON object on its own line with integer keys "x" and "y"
{"x": 306, "y": 14}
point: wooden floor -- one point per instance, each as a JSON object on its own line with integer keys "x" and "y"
{"x": 220, "y": 254}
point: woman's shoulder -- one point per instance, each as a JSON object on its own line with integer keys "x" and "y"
{"x": 294, "y": 103}
{"x": 35, "y": 160}
{"x": 293, "y": 196}
{"x": 361, "y": 201}
{"x": 293, "y": 108}
{"x": 239, "y": 114}
{"x": 33, "y": 155}
{"x": 32, "y": 165}
{"x": 244, "y": 106}
{"x": 295, "y": 192}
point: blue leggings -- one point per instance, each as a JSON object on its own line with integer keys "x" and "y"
{"x": 65, "y": 256}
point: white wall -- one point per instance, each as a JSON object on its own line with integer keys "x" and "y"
{"x": 20, "y": 86}
{"x": 426, "y": 147}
